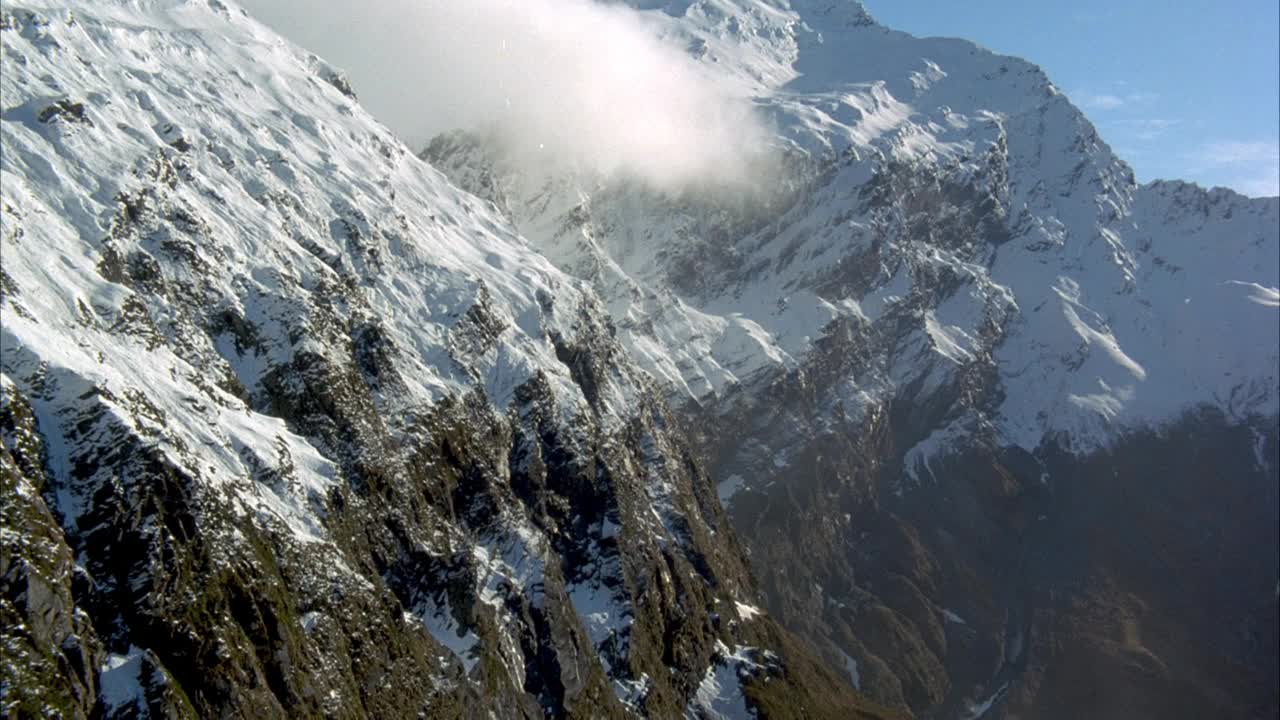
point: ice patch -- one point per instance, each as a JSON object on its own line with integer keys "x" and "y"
{"x": 851, "y": 667}
{"x": 719, "y": 696}
{"x": 609, "y": 528}
{"x": 121, "y": 682}
{"x": 439, "y": 621}
{"x": 607, "y": 621}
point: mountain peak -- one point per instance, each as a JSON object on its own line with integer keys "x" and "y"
{"x": 833, "y": 14}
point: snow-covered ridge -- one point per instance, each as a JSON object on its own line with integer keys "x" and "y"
{"x": 244, "y": 324}
{"x": 195, "y": 212}
{"x": 275, "y": 176}
{"x": 1104, "y": 305}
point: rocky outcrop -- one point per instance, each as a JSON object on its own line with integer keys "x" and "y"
{"x": 51, "y": 651}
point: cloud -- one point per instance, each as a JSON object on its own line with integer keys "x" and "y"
{"x": 1146, "y": 129}
{"x": 1232, "y": 152}
{"x": 1113, "y": 101}
{"x": 1141, "y": 98}
{"x": 1262, "y": 185}
{"x": 1251, "y": 167}
{"x": 1102, "y": 102}
{"x": 564, "y": 81}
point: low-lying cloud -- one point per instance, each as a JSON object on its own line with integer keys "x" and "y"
{"x": 558, "y": 81}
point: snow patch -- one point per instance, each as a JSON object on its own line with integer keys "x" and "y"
{"x": 719, "y": 696}
{"x": 439, "y": 621}
{"x": 121, "y": 683}
{"x": 851, "y": 667}
{"x": 747, "y": 612}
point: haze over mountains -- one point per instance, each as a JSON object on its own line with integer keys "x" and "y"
{"x": 716, "y": 359}
{"x": 575, "y": 83}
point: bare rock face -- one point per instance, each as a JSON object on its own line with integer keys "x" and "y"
{"x": 51, "y": 650}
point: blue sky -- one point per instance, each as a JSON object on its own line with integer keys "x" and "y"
{"x": 1187, "y": 89}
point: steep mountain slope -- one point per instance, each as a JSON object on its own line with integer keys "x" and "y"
{"x": 294, "y": 427}
{"x": 949, "y": 363}
{"x": 1053, "y": 221}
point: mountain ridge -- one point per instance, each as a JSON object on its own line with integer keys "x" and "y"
{"x": 297, "y": 424}
{"x": 292, "y": 427}
{"x": 961, "y": 298}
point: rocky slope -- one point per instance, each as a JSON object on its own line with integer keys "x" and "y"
{"x": 1017, "y": 414}
{"x": 292, "y": 427}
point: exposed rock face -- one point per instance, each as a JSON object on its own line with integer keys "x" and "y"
{"x": 1150, "y": 585}
{"x": 294, "y": 428}
{"x": 51, "y": 653}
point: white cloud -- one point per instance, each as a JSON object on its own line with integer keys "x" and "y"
{"x": 1264, "y": 185}
{"x": 556, "y": 80}
{"x": 1232, "y": 152}
{"x": 1250, "y": 167}
{"x": 1112, "y": 101}
{"x": 1101, "y": 102}
{"x": 1141, "y": 98}
{"x": 1145, "y": 129}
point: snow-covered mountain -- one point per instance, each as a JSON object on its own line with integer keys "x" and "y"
{"x": 297, "y": 424}
{"x": 293, "y": 427}
{"x": 956, "y": 300}
{"x": 1074, "y": 267}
